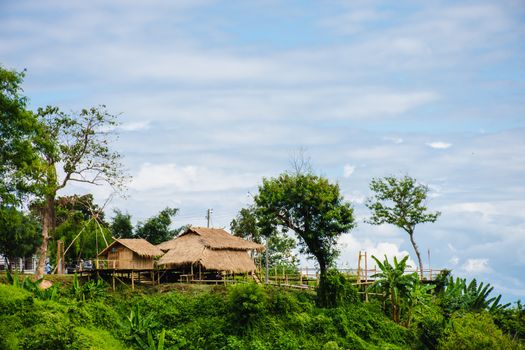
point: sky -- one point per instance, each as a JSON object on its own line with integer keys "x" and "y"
{"x": 215, "y": 95}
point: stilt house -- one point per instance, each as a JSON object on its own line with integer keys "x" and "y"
{"x": 129, "y": 254}
{"x": 208, "y": 249}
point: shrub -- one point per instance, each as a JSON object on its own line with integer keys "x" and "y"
{"x": 474, "y": 331}
{"x": 337, "y": 290}
{"x": 13, "y": 299}
{"x": 246, "y": 303}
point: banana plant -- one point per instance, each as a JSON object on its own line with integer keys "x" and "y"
{"x": 393, "y": 283}
{"x": 458, "y": 295}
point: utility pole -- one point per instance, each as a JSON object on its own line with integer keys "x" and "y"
{"x": 208, "y": 216}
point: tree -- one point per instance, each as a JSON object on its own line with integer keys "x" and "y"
{"x": 311, "y": 207}
{"x": 394, "y": 283}
{"x": 157, "y": 229}
{"x": 279, "y": 247}
{"x": 19, "y": 234}
{"x": 17, "y": 128}
{"x": 78, "y": 144}
{"x": 400, "y": 202}
{"x": 121, "y": 226}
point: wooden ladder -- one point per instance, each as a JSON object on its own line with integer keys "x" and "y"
{"x": 256, "y": 278}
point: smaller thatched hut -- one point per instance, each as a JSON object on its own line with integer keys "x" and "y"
{"x": 209, "y": 249}
{"x": 129, "y": 254}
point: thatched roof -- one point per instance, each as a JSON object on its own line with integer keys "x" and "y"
{"x": 137, "y": 245}
{"x": 213, "y": 249}
{"x": 214, "y": 238}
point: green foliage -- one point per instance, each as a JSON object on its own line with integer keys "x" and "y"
{"x": 94, "y": 339}
{"x": 20, "y": 235}
{"x": 50, "y": 293}
{"x": 394, "y": 284}
{"x": 13, "y": 299}
{"x": 338, "y": 291}
{"x": 475, "y": 331}
{"x": 209, "y": 317}
{"x": 157, "y": 229}
{"x": 400, "y": 202}
{"x": 136, "y": 324}
{"x": 90, "y": 290}
{"x": 246, "y": 303}
{"x": 309, "y": 206}
{"x": 17, "y": 127}
{"x": 121, "y": 226}
{"x": 512, "y": 321}
{"x": 279, "y": 246}
{"x": 458, "y": 295}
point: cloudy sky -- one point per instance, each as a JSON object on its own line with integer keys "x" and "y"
{"x": 215, "y": 95}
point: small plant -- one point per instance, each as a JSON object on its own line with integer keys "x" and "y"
{"x": 50, "y": 293}
{"x": 152, "y": 344}
{"x": 90, "y": 290}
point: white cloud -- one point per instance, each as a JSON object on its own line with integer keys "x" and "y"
{"x": 454, "y": 260}
{"x": 348, "y": 170}
{"x": 477, "y": 266}
{"x": 135, "y": 126}
{"x": 395, "y": 140}
{"x": 439, "y": 145}
{"x": 189, "y": 178}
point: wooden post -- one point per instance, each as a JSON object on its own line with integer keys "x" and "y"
{"x": 366, "y": 277}
{"x": 152, "y": 274}
{"x": 132, "y": 281}
{"x": 200, "y": 273}
{"x": 113, "y": 280}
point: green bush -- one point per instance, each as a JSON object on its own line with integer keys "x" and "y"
{"x": 94, "y": 339}
{"x": 475, "y": 331}
{"x": 247, "y": 302}
{"x": 13, "y": 299}
{"x": 337, "y": 290}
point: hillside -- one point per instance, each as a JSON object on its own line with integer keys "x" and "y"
{"x": 245, "y": 316}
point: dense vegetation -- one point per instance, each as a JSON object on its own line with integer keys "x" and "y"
{"x": 244, "y": 316}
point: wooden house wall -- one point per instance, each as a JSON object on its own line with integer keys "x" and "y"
{"x": 122, "y": 258}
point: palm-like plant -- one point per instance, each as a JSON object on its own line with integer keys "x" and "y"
{"x": 457, "y": 295}
{"x": 393, "y": 283}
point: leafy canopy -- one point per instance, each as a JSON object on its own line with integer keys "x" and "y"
{"x": 311, "y": 207}
{"x": 400, "y": 202}
{"x": 279, "y": 245}
{"x": 157, "y": 229}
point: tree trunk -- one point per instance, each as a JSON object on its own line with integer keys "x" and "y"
{"x": 416, "y": 249}
{"x": 322, "y": 297}
{"x": 48, "y": 212}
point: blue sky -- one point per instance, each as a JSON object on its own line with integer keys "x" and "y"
{"x": 215, "y": 95}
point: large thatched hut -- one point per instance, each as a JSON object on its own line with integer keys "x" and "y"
{"x": 209, "y": 249}
{"x": 129, "y": 254}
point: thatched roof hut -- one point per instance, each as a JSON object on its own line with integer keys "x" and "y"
{"x": 212, "y": 249}
{"x": 130, "y": 253}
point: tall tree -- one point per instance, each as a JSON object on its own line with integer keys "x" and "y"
{"x": 121, "y": 226}
{"x": 19, "y": 234}
{"x": 157, "y": 229}
{"x": 17, "y": 130}
{"x": 45, "y": 151}
{"x": 311, "y": 207}
{"x": 400, "y": 202}
{"x": 279, "y": 246}
{"x": 79, "y": 145}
